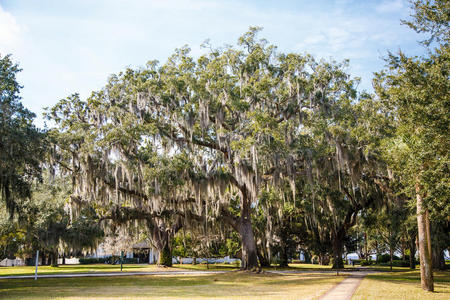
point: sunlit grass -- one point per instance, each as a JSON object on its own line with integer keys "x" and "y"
{"x": 232, "y": 285}
{"x": 402, "y": 285}
{"x": 94, "y": 268}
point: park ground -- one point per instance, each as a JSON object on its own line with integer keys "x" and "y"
{"x": 299, "y": 281}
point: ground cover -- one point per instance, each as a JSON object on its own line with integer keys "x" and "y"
{"x": 402, "y": 285}
{"x": 231, "y": 285}
{"x": 96, "y": 268}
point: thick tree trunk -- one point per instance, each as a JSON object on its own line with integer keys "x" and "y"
{"x": 426, "y": 272}
{"x": 249, "y": 254}
{"x": 165, "y": 256}
{"x": 284, "y": 256}
{"x": 64, "y": 259}
{"x": 54, "y": 259}
{"x": 337, "y": 251}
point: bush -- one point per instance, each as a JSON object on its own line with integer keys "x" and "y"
{"x": 396, "y": 263}
{"x": 365, "y": 263}
{"x": 384, "y": 258}
{"x": 356, "y": 261}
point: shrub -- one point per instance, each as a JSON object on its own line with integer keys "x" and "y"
{"x": 365, "y": 263}
{"x": 383, "y": 258}
{"x": 396, "y": 263}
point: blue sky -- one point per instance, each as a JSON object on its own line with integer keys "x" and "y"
{"x": 68, "y": 46}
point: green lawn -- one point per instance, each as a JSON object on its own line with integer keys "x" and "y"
{"x": 232, "y": 285}
{"x": 402, "y": 285}
{"x": 94, "y": 268}
{"x": 6, "y": 271}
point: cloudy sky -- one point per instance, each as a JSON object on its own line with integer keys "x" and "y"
{"x": 68, "y": 46}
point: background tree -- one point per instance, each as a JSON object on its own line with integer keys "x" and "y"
{"x": 21, "y": 143}
{"x": 416, "y": 92}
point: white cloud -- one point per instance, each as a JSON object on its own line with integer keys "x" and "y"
{"x": 73, "y": 45}
{"x": 9, "y": 32}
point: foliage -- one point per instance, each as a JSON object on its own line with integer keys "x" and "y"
{"x": 21, "y": 143}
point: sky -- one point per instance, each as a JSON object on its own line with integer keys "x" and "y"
{"x": 72, "y": 46}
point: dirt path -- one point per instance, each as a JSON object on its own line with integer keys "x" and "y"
{"x": 345, "y": 289}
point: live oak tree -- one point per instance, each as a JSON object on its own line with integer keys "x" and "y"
{"x": 342, "y": 162}
{"x": 244, "y": 110}
{"x": 233, "y": 120}
{"x": 225, "y": 112}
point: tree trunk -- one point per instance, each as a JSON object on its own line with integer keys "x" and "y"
{"x": 426, "y": 272}
{"x": 366, "y": 247}
{"x": 55, "y": 259}
{"x": 391, "y": 253}
{"x": 283, "y": 256}
{"x": 377, "y": 251}
{"x": 402, "y": 250}
{"x": 263, "y": 260}
{"x": 43, "y": 261}
{"x": 337, "y": 251}
{"x": 438, "y": 261}
{"x": 64, "y": 259}
{"x": 165, "y": 256}
{"x": 307, "y": 257}
{"x": 249, "y": 255}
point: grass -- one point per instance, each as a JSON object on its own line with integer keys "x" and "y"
{"x": 95, "y": 268}
{"x": 232, "y": 285}
{"x": 402, "y": 285}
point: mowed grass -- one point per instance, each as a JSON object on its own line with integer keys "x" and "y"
{"x": 231, "y": 285}
{"x": 402, "y": 285}
{"x": 96, "y": 268}
{"x": 104, "y": 268}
